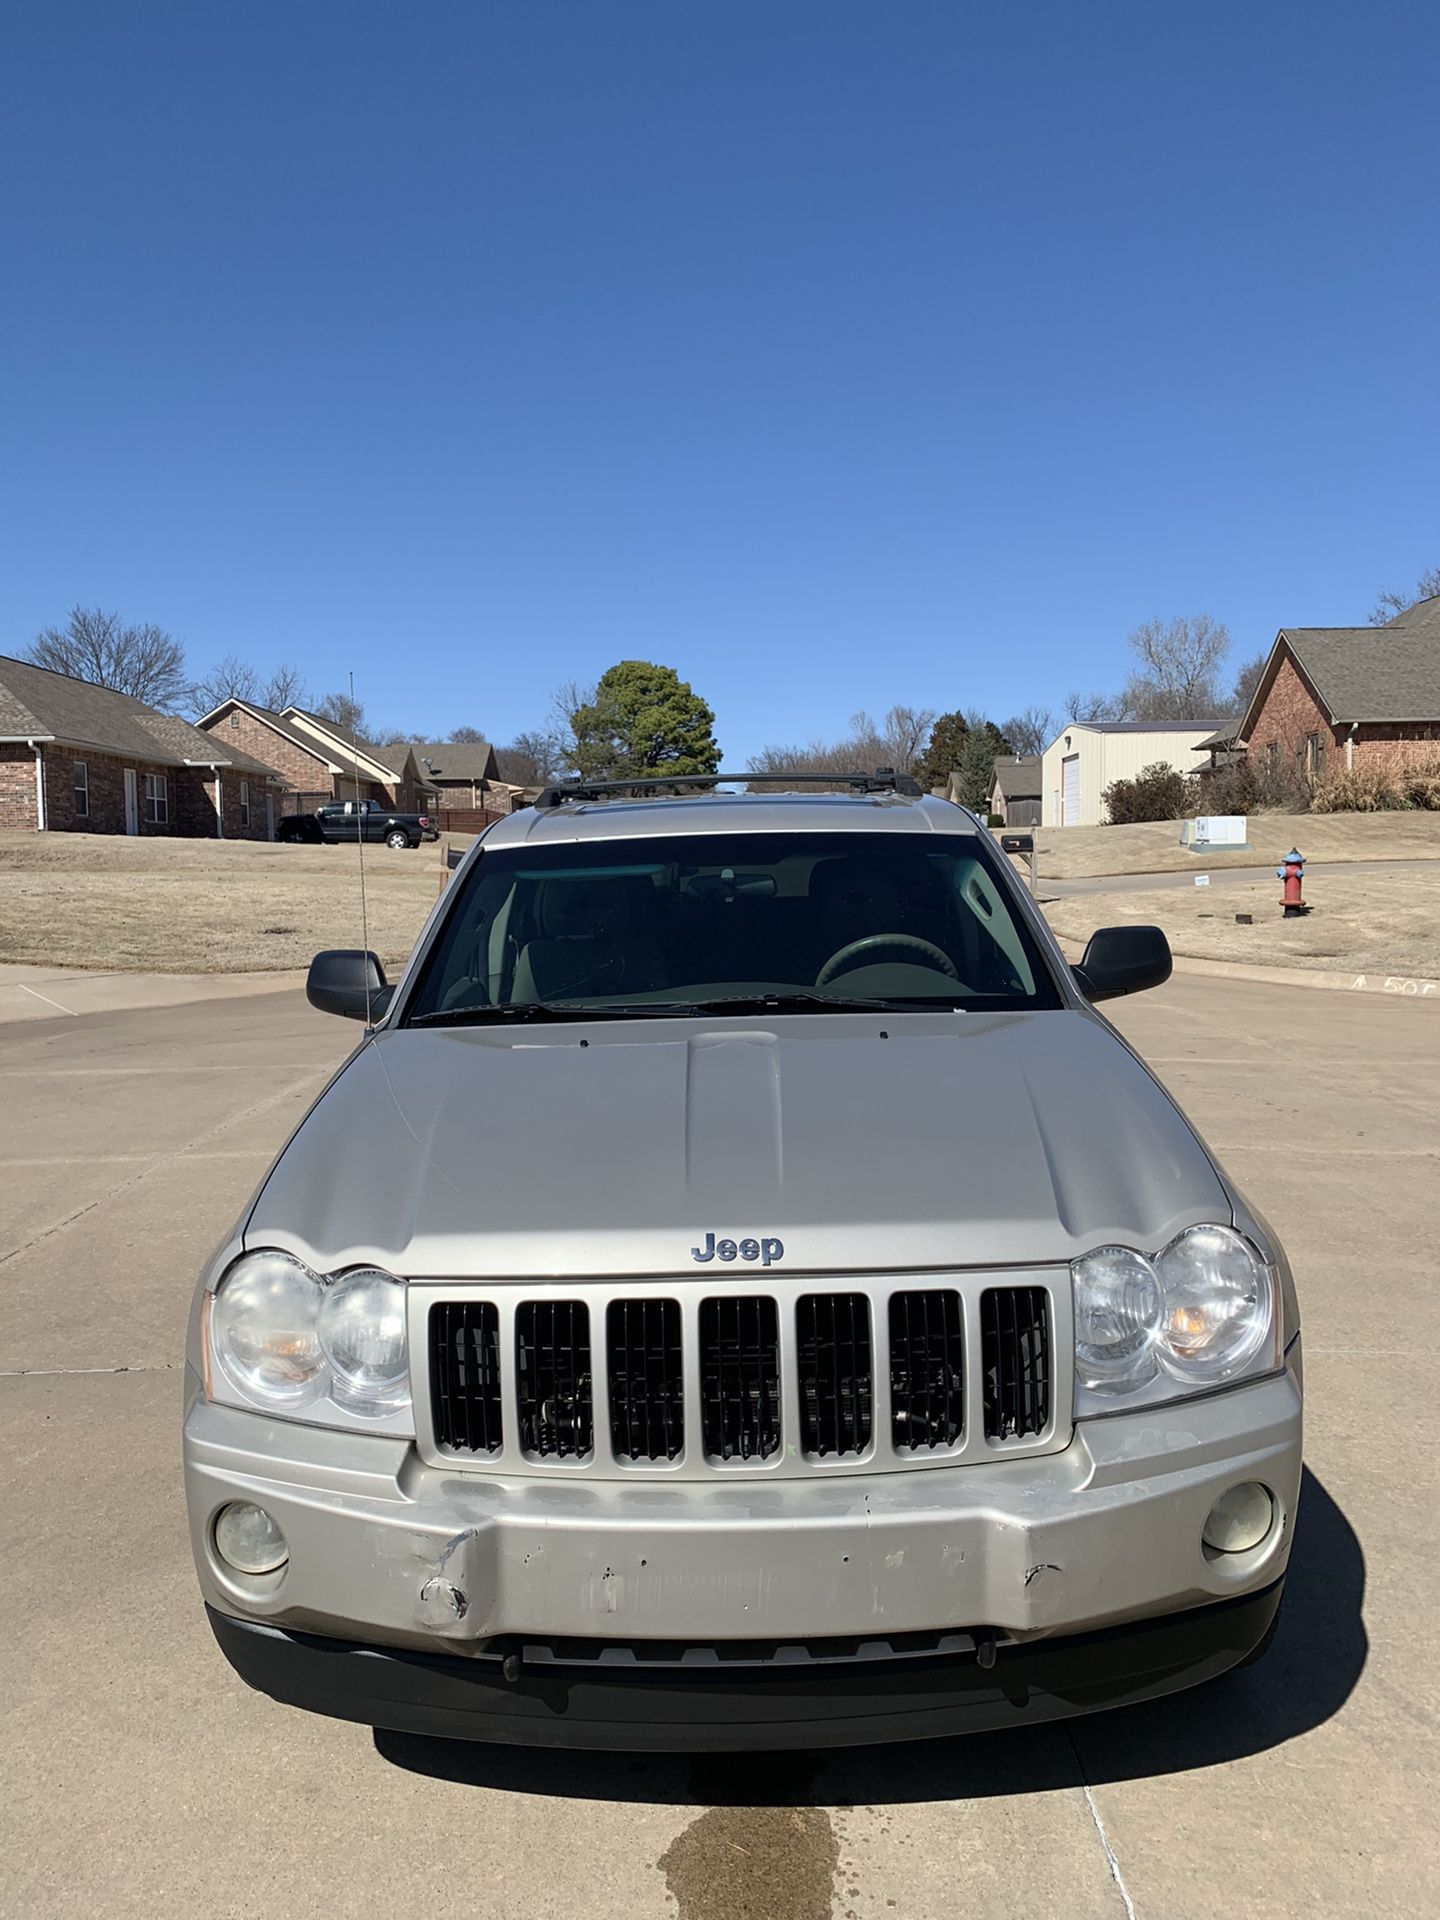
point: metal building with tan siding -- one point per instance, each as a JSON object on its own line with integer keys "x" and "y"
{"x": 1086, "y": 756}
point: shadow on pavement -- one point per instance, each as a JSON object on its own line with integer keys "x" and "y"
{"x": 1309, "y": 1672}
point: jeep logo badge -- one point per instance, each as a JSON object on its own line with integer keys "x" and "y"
{"x": 765, "y": 1251}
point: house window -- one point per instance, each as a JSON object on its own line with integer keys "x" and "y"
{"x": 1315, "y": 756}
{"x": 1272, "y": 759}
{"x": 234, "y": 716}
{"x": 157, "y": 800}
{"x": 244, "y": 803}
{"x": 82, "y": 791}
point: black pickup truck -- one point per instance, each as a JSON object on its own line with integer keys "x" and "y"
{"x": 357, "y": 820}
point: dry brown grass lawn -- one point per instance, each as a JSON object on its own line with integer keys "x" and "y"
{"x": 1375, "y": 923}
{"x": 203, "y": 906}
{"x": 1075, "y": 853}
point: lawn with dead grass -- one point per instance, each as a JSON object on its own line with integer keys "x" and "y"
{"x": 1077, "y": 853}
{"x": 142, "y": 905}
{"x": 1378, "y": 923}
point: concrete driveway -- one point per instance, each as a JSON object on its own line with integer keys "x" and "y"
{"x": 137, "y": 1776}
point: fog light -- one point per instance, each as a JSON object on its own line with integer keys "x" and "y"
{"x": 247, "y": 1539}
{"x": 1240, "y": 1518}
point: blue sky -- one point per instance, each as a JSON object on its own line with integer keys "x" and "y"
{"x": 835, "y": 354}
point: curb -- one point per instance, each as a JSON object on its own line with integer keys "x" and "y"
{"x": 1398, "y": 986}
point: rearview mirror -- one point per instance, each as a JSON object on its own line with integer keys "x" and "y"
{"x": 1122, "y": 960}
{"x": 1017, "y": 843}
{"x": 348, "y": 981}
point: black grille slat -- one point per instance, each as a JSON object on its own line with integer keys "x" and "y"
{"x": 836, "y": 1376}
{"x": 1015, "y": 1359}
{"x": 740, "y": 1377}
{"x": 465, "y": 1375}
{"x": 927, "y": 1369}
{"x": 552, "y": 1378}
{"x": 645, "y": 1363}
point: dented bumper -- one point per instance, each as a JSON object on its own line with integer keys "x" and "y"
{"x": 388, "y": 1552}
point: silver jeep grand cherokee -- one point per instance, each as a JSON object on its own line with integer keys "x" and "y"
{"x": 740, "y": 1293}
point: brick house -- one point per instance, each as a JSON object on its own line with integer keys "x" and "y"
{"x": 463, "y": 772}
{"x": 1336, "y": 698}
{"x": 317, "y": 762}
{"x": 79, "y": 758}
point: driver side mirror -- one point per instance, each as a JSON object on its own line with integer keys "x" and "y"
{"x": 348, "y": 981}
{"x": 1121, "y": 960}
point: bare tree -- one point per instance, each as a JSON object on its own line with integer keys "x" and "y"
{"x": 1393, "y": 604}
{"x": 143, "y": 661}
{"x": 285, "y": 688}
{"x": 1179, "y": 662}
{"x": 230, "y": 679}
{"x": 347, "y": 715}
{"x": 1096, "y": 709}
{"x": 465, "y": 736}
{"x": 532, "y": 758}
{"x": 1247, "y": 679}
{"x": 903, "y": 734}
{"x": 1030, "y": 731}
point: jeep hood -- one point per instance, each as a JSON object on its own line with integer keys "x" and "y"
{"x": 613, "y": 1149}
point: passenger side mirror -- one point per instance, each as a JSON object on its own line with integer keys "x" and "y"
{"x": 348, "y": 981}
{"x": 1017, "y": 843}
{"x": 1120, "y": 960}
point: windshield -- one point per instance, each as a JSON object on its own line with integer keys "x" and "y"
{"x": 731, "y": 921}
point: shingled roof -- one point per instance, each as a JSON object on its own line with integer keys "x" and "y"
{"x": 455, "y": 759}
{"x": 1389, "y": 673}
{"x": 1018, "y": 775}
{"x": 36, "y": 704}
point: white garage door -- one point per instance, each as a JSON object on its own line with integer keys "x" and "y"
{"x": 1070, "y": 790}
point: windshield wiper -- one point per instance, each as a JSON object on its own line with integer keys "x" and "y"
{"x": 520, "y": 1011}
{"x": 801, "y": 1001}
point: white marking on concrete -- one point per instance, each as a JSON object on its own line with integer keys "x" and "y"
{"x": 46, "y": 998}
{"x": 1113, "y": 1863}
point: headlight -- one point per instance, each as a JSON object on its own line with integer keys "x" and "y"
{"x": 1118, "y": 1313}
{"x": 264, "y": 1328}
{"x": 287, "y": 1341}
{"x": 362, "y": 1333}
{"x": 1200, "y": 1313}
{"x": 1218, "y": 1304}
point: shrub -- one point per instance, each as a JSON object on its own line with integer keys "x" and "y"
{"x": 1247, "y": 787}
{"x": 1363, "y": 790}
{"x": 1156, "y": 793}
{"x": 1421, "y": 785}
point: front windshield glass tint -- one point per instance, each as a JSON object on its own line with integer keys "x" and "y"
{"x": 694, "y": 921}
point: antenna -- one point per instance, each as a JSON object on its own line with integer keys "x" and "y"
{"x": 360, "y": 844}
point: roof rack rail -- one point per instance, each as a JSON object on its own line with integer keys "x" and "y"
{"x": 883, "y": 780}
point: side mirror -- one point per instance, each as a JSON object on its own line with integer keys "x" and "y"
{"x": 344, "y": 980}
{"x": 1017, "y": 843}
{"x": 1122, "y": 960}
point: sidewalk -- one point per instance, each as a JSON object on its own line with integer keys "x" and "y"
{"x": 58, "y": 993}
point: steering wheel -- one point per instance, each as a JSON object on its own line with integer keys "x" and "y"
{"x": 871, "y": 941}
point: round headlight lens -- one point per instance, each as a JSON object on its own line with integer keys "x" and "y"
{"x": 362, "y": 1335}
{"x": 264, "y": 1330}
{"x": 1218, "y": 1304}
{"x": 1117, "y": 1319}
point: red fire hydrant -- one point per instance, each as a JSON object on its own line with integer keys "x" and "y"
{"x": 1292, "y": 871}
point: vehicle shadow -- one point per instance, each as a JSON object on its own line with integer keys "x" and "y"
{"x": 1309, "y": 1672}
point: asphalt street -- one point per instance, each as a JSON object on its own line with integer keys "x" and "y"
{"x": 138, "y": 1776}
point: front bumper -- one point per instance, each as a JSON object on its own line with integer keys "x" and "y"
{"x": 387, "y": 1553}
{"x": 867, "y": 1703}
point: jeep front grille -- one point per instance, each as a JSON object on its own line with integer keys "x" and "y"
{"x": 832, "y": 1343}
{"x": 552, "y": 1356}
{"x": 927, "y": 1369}
{"x": 465, "y": 1374}
{"x": 1015, "y": 1331}
{"x": 784, "y": 1381}
{"x": 646, "y": 1371}
{"x": 740, "y": 1377}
